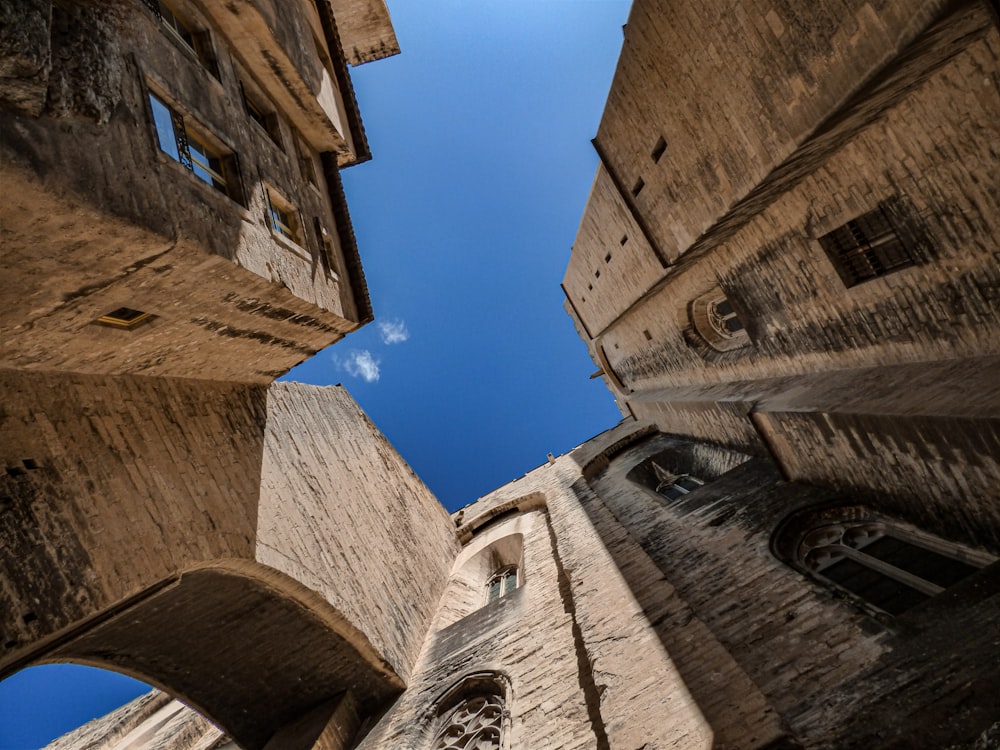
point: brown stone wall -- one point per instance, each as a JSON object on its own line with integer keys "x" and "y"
{"x": 733, "y": 90}
{"x": 344, "y": 514}
{"x": 612, "y": 263}
{"x": 799, "y": 316}
{"x": 586, "y": 667}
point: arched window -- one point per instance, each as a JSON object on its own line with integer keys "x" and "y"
{"x": 501, "y": 583}
{"x": 473, "y": 715}
{"x": 886, "y": 563}
{"x": 673, "y": 486}
{"x": 475, "y": 723}
{"x": 665, "y": 475}
{"x": 715, "y": 320}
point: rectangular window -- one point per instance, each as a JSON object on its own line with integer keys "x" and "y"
{"x": 871, "y": 245}
{"x": 195, "y": 42}
{"x": 176, "y": 139}
{"x": 263, "y": 115}
{"x": 283, "y": 217}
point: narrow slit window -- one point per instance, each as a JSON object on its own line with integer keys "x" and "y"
{"x": 659, "y": 149}
{"x": 637, "y": 188}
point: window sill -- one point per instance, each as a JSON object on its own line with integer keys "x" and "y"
{"x": 290, "y": 244}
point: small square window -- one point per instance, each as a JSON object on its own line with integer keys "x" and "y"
{"x": 125, "y": 317}
{"x": 637, "y": 188}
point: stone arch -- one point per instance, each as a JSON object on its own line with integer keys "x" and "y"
{"x": 249, "y": 648}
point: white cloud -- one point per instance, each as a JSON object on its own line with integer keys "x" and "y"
{"x": 393, "y": 331}
{"x": 361, "y": 364}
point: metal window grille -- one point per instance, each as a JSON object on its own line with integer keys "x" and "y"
{"x": 871, "y": 245}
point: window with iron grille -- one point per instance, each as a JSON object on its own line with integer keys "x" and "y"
{"x": 180, "y": 142}
{"x": 871, "y": 245}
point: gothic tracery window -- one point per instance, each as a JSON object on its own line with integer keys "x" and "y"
{"x": 473, "y": 714}
{"x": 476, "y": 723}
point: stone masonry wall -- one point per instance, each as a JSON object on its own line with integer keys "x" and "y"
{"x": 113, "y": 485}
{"x": 816, "y": 659}
{"x": 733, "y": 90}
{"x": 799, "y": 316}
{"x": 342, "y": 512}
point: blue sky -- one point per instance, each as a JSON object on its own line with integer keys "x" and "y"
{"x": 480, "y": 132}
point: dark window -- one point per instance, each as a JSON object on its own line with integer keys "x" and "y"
{"x": 501, "y": 583}
{"x": 658, "y": 149}
{"x": 177, "y": 140}
{"x": 871, "y": 245}
{"x": 637, "y": 188}
{"x": 884, "y": 563}
{"x": 263, "y": 115}
{"x": 124, "y": 317}
{"x": 196, "y": 42}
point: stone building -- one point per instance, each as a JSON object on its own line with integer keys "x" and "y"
{"x": 787, "y": 273}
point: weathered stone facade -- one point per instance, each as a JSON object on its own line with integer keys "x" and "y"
{"x": 787, "y": 272}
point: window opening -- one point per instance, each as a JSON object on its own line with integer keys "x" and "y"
{"x": 473, "y": 715}
{"x": 282, "y": 217}
{"x": 125, "y": 317}
{"x": 717, "y": 322}
{"x": 724, "y": 318}
{"x": 501, "y": 583}
{"x": 637, "y": 188}
{"x": 674, "y": 486}
{"x": 259, "y": 114}
{"x": 177, "y": 141}
{"x": 474, "y": 724}
{"x": 194, "y": 41}
{"x": 659, "y": 149}
{"x": 306, "y": 163}
{"x": 884, "y": 563}
{"x": 871, "y": 245}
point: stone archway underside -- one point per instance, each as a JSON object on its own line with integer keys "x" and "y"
{"x": 250, "y": 659}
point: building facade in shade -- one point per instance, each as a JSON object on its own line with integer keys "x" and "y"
{"x": 787, "y": 273}
{"x": 175, "y": 205}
